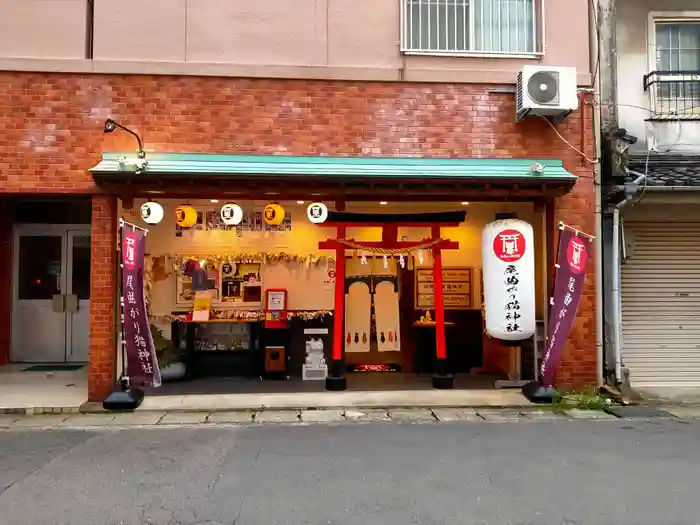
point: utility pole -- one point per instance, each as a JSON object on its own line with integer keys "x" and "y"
{"x": 607, "y": 65}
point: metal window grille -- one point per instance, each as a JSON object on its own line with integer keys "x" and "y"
{"x": 673, "y": 95}
{"x": 447, "y": 27}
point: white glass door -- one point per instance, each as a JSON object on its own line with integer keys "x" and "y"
{"x": 51, "y": 307}
{"x": 39, "y": 321}
{"x": 78, "y": 297}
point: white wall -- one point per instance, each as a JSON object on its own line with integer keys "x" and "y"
{"x": 634, "y": 49}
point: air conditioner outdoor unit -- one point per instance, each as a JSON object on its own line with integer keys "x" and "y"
{"x": 546, "y": 91}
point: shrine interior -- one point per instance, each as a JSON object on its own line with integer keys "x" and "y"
{"x": 389, "y": 322}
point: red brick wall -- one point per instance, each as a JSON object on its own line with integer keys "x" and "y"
{"x": 53, "y": 134}
{"x": 578, "y": 366}
{"x": 103, "y": 297}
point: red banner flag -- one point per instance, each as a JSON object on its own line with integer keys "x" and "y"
{"x": 572, "y": 260}
{"x": 141, "y": 360}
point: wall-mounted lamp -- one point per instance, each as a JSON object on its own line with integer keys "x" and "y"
{"x": 111, "y": 125}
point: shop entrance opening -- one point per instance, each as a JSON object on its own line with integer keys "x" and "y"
{"x": 51, "y": 293}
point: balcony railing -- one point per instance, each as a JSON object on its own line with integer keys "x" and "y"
{"x": 673, "y": 95}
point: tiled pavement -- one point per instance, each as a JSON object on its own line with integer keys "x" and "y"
{"x": 319, "y": 416}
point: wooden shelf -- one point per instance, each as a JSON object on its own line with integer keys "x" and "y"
{"x": 215, "y": 321}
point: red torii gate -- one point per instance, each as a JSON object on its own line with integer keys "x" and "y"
{"x": 389, "y": 245}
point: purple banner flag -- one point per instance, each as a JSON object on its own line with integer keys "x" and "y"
{"x": 141, "y": 360}
{"x": 568, "y": 286}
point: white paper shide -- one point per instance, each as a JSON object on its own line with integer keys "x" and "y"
{"x": 508, "y": 252}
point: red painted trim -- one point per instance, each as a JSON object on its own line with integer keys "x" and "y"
{"x": 390, "y": 233}
{"x": 339, "y": 300}
{"x": 440, "y": 341}
{"x": 333, "y": 244}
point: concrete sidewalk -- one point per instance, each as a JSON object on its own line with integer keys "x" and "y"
{"x": 28, "y": 392}
{"x": 333, "y": 400}
{"x": 669, "y": 396}
{"x": 248, "y": 417}
{"x": 23, "y": 392}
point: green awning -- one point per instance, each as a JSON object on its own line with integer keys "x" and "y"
{"x": 116, "y": 166}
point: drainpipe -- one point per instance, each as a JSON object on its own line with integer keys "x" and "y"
{"x": 617, "y": 270}
{"x": 598, "y": 242}
{"x": 599, "y": 326}
{"x": 617, "y": 302}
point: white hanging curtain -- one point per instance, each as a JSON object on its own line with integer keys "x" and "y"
{"x": 504, "y": 26}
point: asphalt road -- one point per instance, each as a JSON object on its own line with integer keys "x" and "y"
{"x": 525, "y": 473}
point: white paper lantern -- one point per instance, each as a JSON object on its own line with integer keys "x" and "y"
{"x": 231, "y": 214}
{"x": 152, "y": 212}
{"x": 508, "y": 256}
{"x": 317, "y": 212}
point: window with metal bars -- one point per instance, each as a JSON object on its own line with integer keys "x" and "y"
{"x": 455, "y": 27}
{"x": 678, "y": 50}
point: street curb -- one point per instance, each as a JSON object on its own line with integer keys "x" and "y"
{"x": 29, "y": 411}
{"x": 96, "y": 408}
{"x": 420, "y": 416}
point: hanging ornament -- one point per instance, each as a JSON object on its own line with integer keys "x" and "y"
{"x": 385, "y": 262}
{"x": 231, "y": 214}
{"x": 402, "y": 261}
{"x": 185, "y": 216}
{"x": 152, "y": 212}
{"x": 363, "y": 259}
{"x": 317, "y": 212}
{"x": 420, "y": 256}
{"x": 273, "y": 214}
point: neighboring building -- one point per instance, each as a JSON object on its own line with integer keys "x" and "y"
{"x": 657, "y": 83}
{"x": 405, "y": 79}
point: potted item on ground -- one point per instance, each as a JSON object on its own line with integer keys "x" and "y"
{"x": 169, "y": 359}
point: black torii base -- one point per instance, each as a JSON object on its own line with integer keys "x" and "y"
{"x": 336, "y": 380}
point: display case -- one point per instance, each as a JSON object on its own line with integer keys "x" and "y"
{"x": 223, "y": 337}
{"x": 205, "y": 277}
{"x": 241, "y": 283}
{"x": 222, "y": 348}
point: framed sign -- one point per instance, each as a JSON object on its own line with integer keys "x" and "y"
{"x": 276, "y": 300}
{"x": 456, "y": 288}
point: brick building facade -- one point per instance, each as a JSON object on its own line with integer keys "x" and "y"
{"x": 53, "y": 135}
